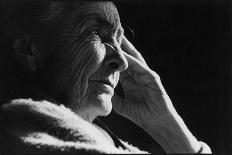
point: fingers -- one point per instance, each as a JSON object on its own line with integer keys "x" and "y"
{"x": 130, "y": 49}
{"x": 135, "y": 65}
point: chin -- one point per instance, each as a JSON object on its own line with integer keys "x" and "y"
{"x": 97, "y": 101}
{"x": 103, "y": 104}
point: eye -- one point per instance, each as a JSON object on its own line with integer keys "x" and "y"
{"x": 92, "y": 30}
{"x": 96, "y": 32}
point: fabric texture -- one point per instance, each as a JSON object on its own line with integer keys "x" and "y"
{"x": 43, "y": 127}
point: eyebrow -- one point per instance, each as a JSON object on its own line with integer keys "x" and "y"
{"x": 98, "y": 20}
{"x": 111, "y": 23}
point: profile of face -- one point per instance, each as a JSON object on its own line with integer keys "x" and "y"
{"x": 91, "y": 59}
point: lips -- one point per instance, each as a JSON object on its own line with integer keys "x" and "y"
{"x": 104, "y": 82}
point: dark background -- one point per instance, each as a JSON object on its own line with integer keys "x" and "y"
{"x": 188, "y": 45}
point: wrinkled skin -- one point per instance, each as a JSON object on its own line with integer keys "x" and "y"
{"x": 91, "y": 60}
{"x": 90, "y": 56}
{"x": 87, "y": 58}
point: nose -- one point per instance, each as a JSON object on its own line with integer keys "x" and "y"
{"x": 115, "y": 59}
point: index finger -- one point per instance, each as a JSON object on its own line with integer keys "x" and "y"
{"x": 131, "y": 50}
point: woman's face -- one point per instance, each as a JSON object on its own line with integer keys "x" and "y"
{"x": 92, "y": 59}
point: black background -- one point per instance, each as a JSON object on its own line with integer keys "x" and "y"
{"x": 188, "y": 44}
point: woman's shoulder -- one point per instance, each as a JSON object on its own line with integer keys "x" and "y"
{"x": 46, "y": 127}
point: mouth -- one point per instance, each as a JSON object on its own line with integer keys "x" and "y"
{"x": 104, "y": 82}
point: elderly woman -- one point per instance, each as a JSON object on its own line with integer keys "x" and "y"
{"x": 60, "y": 64}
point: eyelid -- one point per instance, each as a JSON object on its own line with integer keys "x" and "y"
{"x": 90, "y": 29}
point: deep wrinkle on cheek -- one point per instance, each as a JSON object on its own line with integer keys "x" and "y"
{"x": 74, "y": 58}
{"x": 92, "y": 57}
{"x": 84, "y": 96}
{"x": 97, "y": 56}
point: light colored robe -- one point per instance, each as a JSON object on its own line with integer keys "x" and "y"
{"x": 43, "y": 127}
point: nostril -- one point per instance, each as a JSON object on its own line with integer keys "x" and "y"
{"x": 113, "y": 65}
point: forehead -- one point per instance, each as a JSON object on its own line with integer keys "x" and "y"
{"x": 104, "y": 13}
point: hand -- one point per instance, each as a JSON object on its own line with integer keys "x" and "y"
{"x": 147, "y": 104}
{"x": 145, "y": 98}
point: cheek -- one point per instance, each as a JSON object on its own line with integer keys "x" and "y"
{"x": 92, "y": 58}
{"x": 97, "y": 56}
{"x": 98, "y": 53}
{"x": 78, "y": 59}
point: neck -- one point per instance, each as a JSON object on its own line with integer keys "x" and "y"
{"x": 87, "y": 115}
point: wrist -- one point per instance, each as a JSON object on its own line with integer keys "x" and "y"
{"x": 174, "y": 136}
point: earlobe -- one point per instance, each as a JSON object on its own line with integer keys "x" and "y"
{"x": 25, "y": 53}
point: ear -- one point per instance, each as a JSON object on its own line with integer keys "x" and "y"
{"x": 26, "y": 53}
